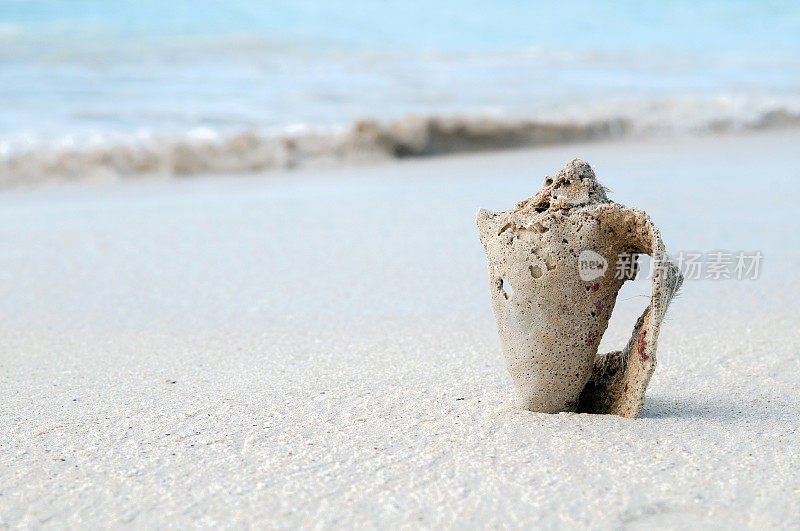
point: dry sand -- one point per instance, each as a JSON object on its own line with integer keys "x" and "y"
{"x": 318, "y": 350}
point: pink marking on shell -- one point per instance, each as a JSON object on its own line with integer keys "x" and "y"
{"x": 641, "y": 341}
{"x": 592, "y": 337}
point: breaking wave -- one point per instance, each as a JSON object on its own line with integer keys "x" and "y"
{"x": 364, "y": 141}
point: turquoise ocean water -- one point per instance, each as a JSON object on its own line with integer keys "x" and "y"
{"x": 78, "y": 73}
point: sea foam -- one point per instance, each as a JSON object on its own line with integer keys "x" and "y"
{"x": 205, "y": 151}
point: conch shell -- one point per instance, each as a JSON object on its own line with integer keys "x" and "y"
{"x": 554, "y": 278}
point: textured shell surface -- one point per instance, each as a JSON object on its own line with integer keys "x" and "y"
{"x": 550, "y": 315}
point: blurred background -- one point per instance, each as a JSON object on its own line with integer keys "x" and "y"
{"x": 92, "y": 88}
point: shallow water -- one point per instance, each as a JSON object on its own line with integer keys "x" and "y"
{"x": 75, "y": 76}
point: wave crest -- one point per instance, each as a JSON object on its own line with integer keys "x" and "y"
{"x": 364, "y": 141}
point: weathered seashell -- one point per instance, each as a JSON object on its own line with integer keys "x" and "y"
{"x": 554, "y": 278}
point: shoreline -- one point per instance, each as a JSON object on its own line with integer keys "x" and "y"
{"x": 380, "y": 167}
{"x": 364, "y": 142}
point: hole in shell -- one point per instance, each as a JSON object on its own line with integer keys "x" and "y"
{"x": 505, "y": 288}
{"x": 632, "y": 299}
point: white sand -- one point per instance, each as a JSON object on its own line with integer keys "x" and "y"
{"x": 335, "y": 362}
